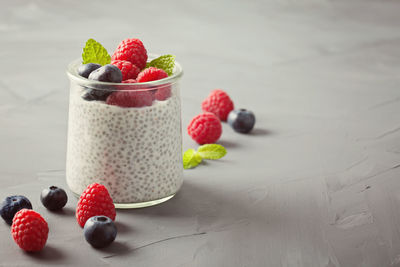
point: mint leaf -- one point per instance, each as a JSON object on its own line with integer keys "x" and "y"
{"x": 94, "y": 52}
{"x": 165, "y": 62}
{"x": 191, "y": 159}
{"x": 211, "y": 151}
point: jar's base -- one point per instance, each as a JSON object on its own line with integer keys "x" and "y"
{"x": 142, "y": 204}
{"x": 137, "y": 205}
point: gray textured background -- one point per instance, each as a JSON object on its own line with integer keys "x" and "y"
{"x": 316, "y": 184}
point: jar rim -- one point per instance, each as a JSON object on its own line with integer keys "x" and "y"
{"x": 72, "y": 72}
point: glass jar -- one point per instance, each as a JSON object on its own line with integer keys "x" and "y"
{"x": 136, "y": 152}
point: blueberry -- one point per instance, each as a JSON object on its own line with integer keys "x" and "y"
{"x": 241, "y": 120}
{"x": 96, "y": 94}
{"x": 107, "y": 73}
{"x": 100, "y": 231}
{"x": 12, "y": 205}
{"x": 85, "y": 70}
{"x": 53, "y": 198}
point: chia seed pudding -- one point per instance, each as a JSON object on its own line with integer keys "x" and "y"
{"x": 136, "y": 152}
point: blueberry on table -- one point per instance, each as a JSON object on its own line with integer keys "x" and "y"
{"x": 85, "y": 70}
{"x": 100, "y": 231}
{"x": 241, "y": 120}
{"x": 107, "y": 73}
{"x": 53, "y": 198}
{"x": 11, "y": 205}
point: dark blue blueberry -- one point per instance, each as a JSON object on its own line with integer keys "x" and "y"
{"x": 85, "y": 70}
{"x": 100, "y": 231}
{"x": 241, "y": 120}
{"x": 12, "y": 205}
{"x": 96, "y": 94}
{"x": 53, "y": 198}
{"x": 107, "y": 73}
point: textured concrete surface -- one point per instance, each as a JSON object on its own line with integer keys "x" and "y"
{"x": 316, "y": 184}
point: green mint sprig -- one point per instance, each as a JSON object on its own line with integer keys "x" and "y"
{"x": 211, "y": 151}
{"x": 94, "y": 52}
{"x": 192, "y": 158}
{"x": 165, "y": 62}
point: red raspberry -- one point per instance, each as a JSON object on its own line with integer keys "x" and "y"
{"x": 129, "y": 71}
{"x": 131, "y": 50}
{"x": 163, "y": 93}
{"x": 29, "y": 230}
{"x": 219, "y": 103}
{"x": 130, "y": 99}
{"x": 151, "y": 74}
{"x": 130, "y": 81}
{"x": 205, "y": 128}
{"x": 94, "y": 201}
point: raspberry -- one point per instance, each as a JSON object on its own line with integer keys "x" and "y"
{"x": 94, "y": 201}
{"x": 130, "y": 98}
{"x": 130, "y": 81}
{"x": 129, "y": 71}
{"x": 151, "y": 74}
{"x": 163, "y": 93}
{"x": 205, "y": 128}
{"x": 29, "y": 230}
{"x": 131, "y": 50}
{"x": 219, "y": 103}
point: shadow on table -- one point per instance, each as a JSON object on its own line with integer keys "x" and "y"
{"x": 255, "y": 132}
{"x": 66, "y": 211}
{"x": 211, "y": 208}
{"x": 123, "y": 227}
{"x": 48, "y": 255}
{"x": 115, "y": 249}
{"x": 193, "y": 202}
{"x": 260, "y": 132}
{"x": 228, "y": 144}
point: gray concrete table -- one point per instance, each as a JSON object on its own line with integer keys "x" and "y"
{"x": 317, "y": 183}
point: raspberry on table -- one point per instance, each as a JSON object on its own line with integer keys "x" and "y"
{"x": 151, "y": 74}
{"x": 29, "y": 230}
{"x": 219, "y": 103}
{"x": 205, "y": 128}
{"x": 129, "y": 71}
{"x": 131, "y": 50}
{"x": 130, "y": 98}
{"x": 94, "y": 201}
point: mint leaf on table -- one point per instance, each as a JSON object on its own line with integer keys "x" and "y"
{"x": 211, "y": 151}
{"x": 191, "y": 159}
{"x": 165, "y": 62}
{"x": 94, "y": 52}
